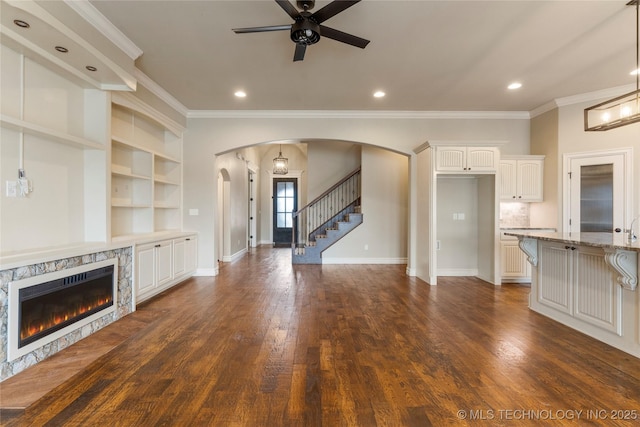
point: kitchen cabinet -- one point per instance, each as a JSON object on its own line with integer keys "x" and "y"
{"x": 576, "y": 280}
{"x": 466, "y": 159}
{"x": 514, "y": 265}
{"x": 521, "y": 178}
{"x": 162, "y": 264}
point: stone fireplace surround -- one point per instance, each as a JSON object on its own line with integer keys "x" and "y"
{"x": 124, "y": 304}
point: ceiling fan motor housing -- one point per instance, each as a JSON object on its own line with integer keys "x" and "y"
{"x": 305, "y": 32}
{"x": 305, "y": 4}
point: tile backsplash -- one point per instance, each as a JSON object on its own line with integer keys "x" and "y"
{"x": 514, "y": 215}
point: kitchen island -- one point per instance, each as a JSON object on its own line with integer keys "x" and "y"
{"x": 587, "y": 281}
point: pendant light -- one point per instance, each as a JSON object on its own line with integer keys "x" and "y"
{"x": 280, "y": 164}
{"x": 622, "y": 110}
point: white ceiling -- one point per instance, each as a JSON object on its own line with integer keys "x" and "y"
{"x": 426, "y": 55}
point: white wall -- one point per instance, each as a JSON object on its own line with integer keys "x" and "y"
{"x": 385, "y": 208}
{"x": 207, "y": 137}
{"x": 458, "y": 254}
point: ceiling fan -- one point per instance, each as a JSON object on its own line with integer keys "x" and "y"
{"x": 307, "y": 28}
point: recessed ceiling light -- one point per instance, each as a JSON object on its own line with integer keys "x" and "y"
{"x": 62, "y": 49}
{"x": 21, "y": 23}
{"x": 635, "y": 72}
{"x": 240, "y": 94}
{"x": 514, "y": 85}
{"x": 379, "y": 94}
{"x": 91, "y": 68}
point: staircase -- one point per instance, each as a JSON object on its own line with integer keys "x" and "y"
{"x": 325, "y": 220}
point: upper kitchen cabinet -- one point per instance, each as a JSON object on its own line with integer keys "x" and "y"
{"x": 521, "y": 178}
{"x": 146, "y": 170}
{"x": 466, "y": 159}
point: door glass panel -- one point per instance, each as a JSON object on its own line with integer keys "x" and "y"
{"x": 596, "y": 198}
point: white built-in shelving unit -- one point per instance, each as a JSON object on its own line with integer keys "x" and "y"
{"x": 54, "y": 128}
{"x": 146, "y": 171}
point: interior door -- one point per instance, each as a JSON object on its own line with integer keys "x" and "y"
{"x": 285, "y": 201}
{"x": 597, "y": 191}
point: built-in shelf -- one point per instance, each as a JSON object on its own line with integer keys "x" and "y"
{"x": 146, "y": 174}
{"x": 47, "y": 133}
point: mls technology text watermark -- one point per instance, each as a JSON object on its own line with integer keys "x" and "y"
{"x": 548, "y": 414}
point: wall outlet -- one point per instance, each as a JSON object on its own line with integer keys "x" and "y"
{"x": 12, "y": 189}
{"x": 194, "y": 212}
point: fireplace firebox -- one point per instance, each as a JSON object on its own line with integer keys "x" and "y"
{"x": 44, "y": 308}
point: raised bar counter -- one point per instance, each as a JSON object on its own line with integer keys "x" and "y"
{"x": 587, "y": 281}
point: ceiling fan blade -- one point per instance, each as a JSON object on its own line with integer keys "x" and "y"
{"x": 332, "y": 9}
{"x": 340, "y": 36}
{"x": 289, "y": 8}
{"x": 262, "y": 29}
{"x": 299, "y": 53}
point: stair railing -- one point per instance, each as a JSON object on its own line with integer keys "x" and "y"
{"x": 320, "y": 212}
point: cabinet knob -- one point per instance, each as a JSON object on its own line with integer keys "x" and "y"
{"x": 519, "y": 197}
{"x": 514, "y": 197}
{"x": 567, "y": 247}
{"x": 157, "y": 246}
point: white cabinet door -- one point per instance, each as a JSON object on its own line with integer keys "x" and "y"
{"x": 555, "y": 277}
{"x": 145, "y": 270}
{"x": 451, "y": 158}
{"x": 530, "y": 180}
{"x": 514, "y": 263}
{"x": 461, "y": 159}
{"x": 179, "y": 254}
{"x": 191, "y": 255}
{"x": 508, "y": 179}
{"x": 164, "y": 266}
{"x": 482, "y": 159}
{"x": 521, "y": 179}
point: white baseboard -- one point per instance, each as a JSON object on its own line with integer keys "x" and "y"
{"x": 364, "y": 260}
{"x": 234, "y": 257}
{"x": 206, "y": 272}
{"x": 411, "y": 272}
{"x": 458, "y": 272}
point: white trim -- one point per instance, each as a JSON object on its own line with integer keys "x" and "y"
{"x": 160, "y": 92}
{"x": 581, "y": 98}
{"x": 458, "y": 272}
{"x": 356, "y": 114}
{"x": 129, "y": 100}
{"x": 234, "y": 257}
{"x": 626, "y": 153}
{"x": 411, "y": 272}
{"x": 94, "y": 17}
{"x": 364, "y": 260}
{"x": 206, "y": 272}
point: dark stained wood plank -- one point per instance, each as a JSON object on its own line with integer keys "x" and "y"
{"x": 266, "y": 343}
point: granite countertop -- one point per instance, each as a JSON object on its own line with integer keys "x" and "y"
{"x": 528, "y": 228}
{"x": 600, "y": 240}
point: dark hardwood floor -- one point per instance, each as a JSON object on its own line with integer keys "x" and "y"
{"x": 266, "y": 343}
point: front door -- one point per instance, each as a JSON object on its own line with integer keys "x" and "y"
{"x": 285, "y": 201}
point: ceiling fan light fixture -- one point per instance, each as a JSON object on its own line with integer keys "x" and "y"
{"x": 305, "y": 32}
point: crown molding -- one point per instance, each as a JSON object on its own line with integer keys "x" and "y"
{"x": 94, "y": 17}
{"x": 356, "y": 114}
{"x": 582, "y": 98}
{"x": 158, "y": 91}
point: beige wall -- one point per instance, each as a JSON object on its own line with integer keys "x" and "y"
{"x": 561, "y": 132}
{"x": 206, "y": 137}
{"x": 382, "y": 237}
{"x": 330, "y": 161}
